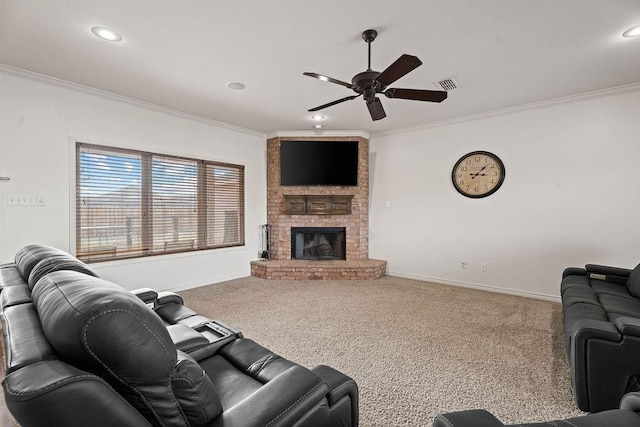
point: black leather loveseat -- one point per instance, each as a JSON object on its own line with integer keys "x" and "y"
{"x": 628, "y": 415}
{"x": 601, "y": 307}
{"x": 81, "y": 351}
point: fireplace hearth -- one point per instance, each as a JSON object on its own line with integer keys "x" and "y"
{"x": 318, "y": 243}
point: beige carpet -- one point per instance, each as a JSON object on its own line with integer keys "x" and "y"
{"x": 415, "y": 349}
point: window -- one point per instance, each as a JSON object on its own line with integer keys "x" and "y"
{"x": 132, "y": 204}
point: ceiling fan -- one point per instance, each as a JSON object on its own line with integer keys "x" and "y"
{"x": 370, "y": 83}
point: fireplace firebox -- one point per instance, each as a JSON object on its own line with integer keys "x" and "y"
{"x": 318, "y": 243}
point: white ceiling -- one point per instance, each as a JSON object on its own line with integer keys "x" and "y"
{"x": 180, "y": 54}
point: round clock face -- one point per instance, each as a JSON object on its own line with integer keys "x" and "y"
{"x": 478, "y": 174}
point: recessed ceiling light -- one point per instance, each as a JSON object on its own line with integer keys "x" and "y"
{"x": 632, "y": 32}
{"x": 318, "y": 126}
{"x": 106, "y": 34}
{"x": 235, "y": 85}
{"x": 317, "y": 117}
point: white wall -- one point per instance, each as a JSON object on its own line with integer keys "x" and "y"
{"x": 39, "y": 122}
{"x": 571, "y": 195}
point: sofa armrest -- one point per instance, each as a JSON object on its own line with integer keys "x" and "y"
{"x": 340, "y": 386}
{"x": 611, "y": 274}
{"x": 34, "y": 392}
{"x": 167, "y": 297}
{"x": 147, "y": 295}
{"x": 278, "y": 403}
{"x": 607, "y": 270}
{"x": 585, "y": 329}
{"x": 574, "y": 271}
{"x": 630, "y": 402}
{"x": 471, "y": 418}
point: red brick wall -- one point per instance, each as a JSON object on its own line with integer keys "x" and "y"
{"x": 356, "y": 224}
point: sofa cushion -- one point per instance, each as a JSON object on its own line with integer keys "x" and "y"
{"x": 633, "y": 283}
{"x": 35, "y": 261}
{"x": 607, "y": 288}
{"x": 24, "y": 342}
{"x": 580, "y": 294}
{"x": 27, "y": 257}
{"x": 102, "y": 328}
{"x": 15, "y": 295}
{"x": 10, "y": 276}
{"x": 614, "y": 304}
{"x": 57, "y": 262}
{"x": 569, "y": 282}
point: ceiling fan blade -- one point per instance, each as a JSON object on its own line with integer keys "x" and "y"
{"x": 328, "y": 79}
{"x": 375, "y": 109}
{"x": 417, "y": 94}
{"x": 347, "y": 98}
{"x": 403, "y": 65}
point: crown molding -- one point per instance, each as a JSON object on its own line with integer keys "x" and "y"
{"x": 509, "y": 110}
{"x": 317, "y": 133}
{"x": 114, "y": 96}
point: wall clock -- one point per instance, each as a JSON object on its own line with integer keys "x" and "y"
{"x": 478, "y": 174}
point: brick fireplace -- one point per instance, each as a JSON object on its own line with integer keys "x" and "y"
{"x": 294, "y": 207}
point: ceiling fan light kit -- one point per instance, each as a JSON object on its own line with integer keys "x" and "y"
{"x": 370, "y": 83}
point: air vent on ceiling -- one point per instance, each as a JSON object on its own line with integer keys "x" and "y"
{"x": 447, "y": 84}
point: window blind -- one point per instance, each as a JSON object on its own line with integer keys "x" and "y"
{"x": 133, "y": 203}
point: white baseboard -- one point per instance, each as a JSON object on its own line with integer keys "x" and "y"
{"x": 186, "y": 286}
{"x": 526, "y": 294}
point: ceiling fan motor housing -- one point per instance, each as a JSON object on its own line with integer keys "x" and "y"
{"x": 365, "y": 82}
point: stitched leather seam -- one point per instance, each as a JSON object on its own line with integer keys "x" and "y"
{"x": 50, "y": 386}
{"x": 446, "y": 421}
{"x": 201, "y": 403}
{"x": 141, "y": 395}
{"x": 192, "y": 347}
{"x": 294, "y": 404}
{"x": 308, "y": 415}
{"x": 341, "y": 386}
{"x": 264, "y": 361}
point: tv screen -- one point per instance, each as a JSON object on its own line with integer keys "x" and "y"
{"x": 319, "y": 163}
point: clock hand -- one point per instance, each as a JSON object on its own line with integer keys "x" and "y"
{"x": 478, "y": 173}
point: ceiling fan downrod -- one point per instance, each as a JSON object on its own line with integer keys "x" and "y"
{"x": 369, "y": 36}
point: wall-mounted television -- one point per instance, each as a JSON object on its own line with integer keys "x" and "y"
{"x": 319, "y": 163}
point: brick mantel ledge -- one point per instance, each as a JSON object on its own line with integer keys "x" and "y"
{"x": 319, "y": 270}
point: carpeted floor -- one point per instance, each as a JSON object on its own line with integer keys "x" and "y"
{"x": 415, "y": 349}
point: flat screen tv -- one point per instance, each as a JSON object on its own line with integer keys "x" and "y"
{"x": 319, "y": 163}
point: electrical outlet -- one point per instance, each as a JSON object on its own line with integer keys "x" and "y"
{"x": 463, "y": 265}
{"x": 483, "y": 267}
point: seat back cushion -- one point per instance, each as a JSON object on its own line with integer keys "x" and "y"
{"x": 104, "y": 329}
{"x": 35, "y": 261}
{"x": 57, "y": 262}
{"x": 633, "y": 283}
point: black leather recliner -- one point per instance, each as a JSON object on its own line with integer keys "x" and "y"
{"x": 601, "y": 308}
{"x": 83, "y": 351}
{"x": 628, "y": 415}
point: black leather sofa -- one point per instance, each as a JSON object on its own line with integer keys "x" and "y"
{"x": 81, "y": 351}
{"x": 601, "y": 307}
{"x": 628, "y": 415}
